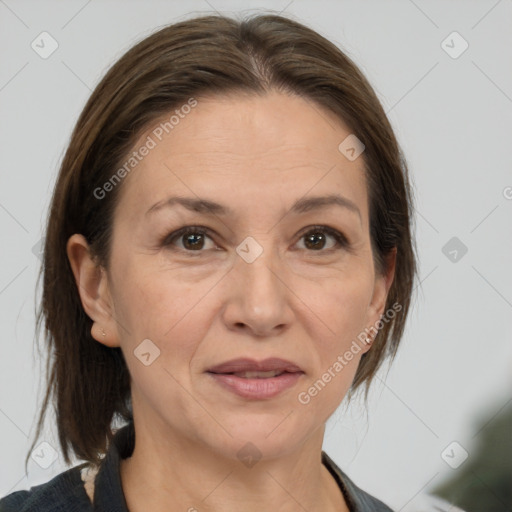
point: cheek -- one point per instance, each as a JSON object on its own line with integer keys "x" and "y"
{"x": 159, "y": 306}
{"x": 146, "y": 300}
{"x": 339, "y": 305}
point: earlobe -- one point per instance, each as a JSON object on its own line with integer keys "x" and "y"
{"x": 92, "y": 286}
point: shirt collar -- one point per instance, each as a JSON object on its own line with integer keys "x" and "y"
{"x": 108, "y": 491}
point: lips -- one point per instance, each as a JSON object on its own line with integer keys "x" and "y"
{"x": 256, "y": 380}
{"x": 247, "y": 367}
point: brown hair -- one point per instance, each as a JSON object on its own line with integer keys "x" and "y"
{"x": 208, "y": 55}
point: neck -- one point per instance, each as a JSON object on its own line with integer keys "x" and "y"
{"x": 169, "y": 474}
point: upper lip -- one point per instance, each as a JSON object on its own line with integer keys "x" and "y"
{"x": 251, "y": 365}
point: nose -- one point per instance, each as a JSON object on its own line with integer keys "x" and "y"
{"x": 257, "y": 295}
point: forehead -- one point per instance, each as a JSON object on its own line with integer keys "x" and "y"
{"x": 239, "y": 149}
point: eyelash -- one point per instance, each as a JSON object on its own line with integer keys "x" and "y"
{"x": 341, "y": 240}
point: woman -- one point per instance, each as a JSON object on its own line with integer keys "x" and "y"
{"x": 228, "y": 254}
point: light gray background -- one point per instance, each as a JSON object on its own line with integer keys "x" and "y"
{"x": 453, "y": 118}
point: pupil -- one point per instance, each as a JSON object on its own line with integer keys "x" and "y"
{"x": 195, "y": 244}
{"x": 318, "y": 236}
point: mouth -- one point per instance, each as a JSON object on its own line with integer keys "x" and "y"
{"x": 254, "y": 375}
{"x": 256, "y": 379}
{"x": 245, "y": 365}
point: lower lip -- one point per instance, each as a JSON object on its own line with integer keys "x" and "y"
{"x": 257, "y": 389}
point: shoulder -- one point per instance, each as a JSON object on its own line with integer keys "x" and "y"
{"x": 357, "y": 499}
{"x": 360, "y": 501}
{"x": 64, "y": 493}
{"x": 365, "y": 501}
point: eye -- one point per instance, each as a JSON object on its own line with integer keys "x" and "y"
{"x": 315, "y": 238}
{"x": 193, "y": 239}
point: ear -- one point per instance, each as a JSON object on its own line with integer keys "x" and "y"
{"x": 93, "y": 288}
{"x": 380, "y": 294}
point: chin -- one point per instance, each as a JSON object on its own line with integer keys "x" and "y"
{"x": 265, "y": 436}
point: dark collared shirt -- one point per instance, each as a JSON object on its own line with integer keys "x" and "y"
{"x": 66, "y": 491}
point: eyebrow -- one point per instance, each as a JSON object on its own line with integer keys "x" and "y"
{"x": 208, "y": 207}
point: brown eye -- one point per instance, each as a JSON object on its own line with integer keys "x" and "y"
{"x": 317, "y": 238}
{"x": 192, "y": 239}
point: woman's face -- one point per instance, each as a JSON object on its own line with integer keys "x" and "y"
{"x": 267, "y": 278}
